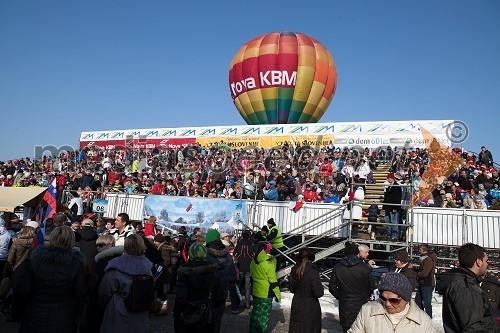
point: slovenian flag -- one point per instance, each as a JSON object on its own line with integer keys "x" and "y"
{"x": 189, "y": 207}
{"x": 298, "y": 206}
{"x": 50, "y": 198}
{"x": 295, "y": 206}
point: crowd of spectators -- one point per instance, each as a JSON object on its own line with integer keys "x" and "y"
{"x": 282, "y": 173}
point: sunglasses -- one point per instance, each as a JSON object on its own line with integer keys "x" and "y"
{"x": 393, "y": 301}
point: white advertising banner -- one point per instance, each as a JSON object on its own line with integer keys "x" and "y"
{"x": 369, "y": 133}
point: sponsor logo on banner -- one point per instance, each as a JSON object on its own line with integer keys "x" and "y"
{"x": 251, "y": 130}
{"x": 88, "y": 136}
{"x": 275, "y": 130}
{"x": 299, "y": 129}
{"x": 207, "y": 132}
{"x": 169, "y": 133}
{"x": 229, "y": 131}
{"x": 325, "y": 129}
{"x": 188, "y": 132}
{"x": 118, "y": 135}
{"x": 350, "y": 128}
{"x": 152, "y": 133}
{"x": 104, "y": 135}
{"x": 376, "y": 141}
{"x": 133, "y": 133}
{"x": 411, "y": 127}
{"x": 378, "y": 128}
{"x": 440, "y": 127}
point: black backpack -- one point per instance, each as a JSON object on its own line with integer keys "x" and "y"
{"x": 142, "y": 295}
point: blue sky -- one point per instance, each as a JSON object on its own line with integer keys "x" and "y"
{"x": 73, "y": 66}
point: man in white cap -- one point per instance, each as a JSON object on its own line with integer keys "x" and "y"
{"x": 224, "y": 237}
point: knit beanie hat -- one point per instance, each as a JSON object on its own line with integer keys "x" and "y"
{"x": 159, "y": 238}
{"x": 396, "y": 283}
{"x": 197, "y": 251}
{"x": 212, "y": 235}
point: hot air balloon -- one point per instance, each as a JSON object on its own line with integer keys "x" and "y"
{"x": 282, "y": 78}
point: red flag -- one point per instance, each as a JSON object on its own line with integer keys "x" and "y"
{"x": 189, "y": 207}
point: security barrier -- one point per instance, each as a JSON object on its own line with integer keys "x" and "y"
{"x": 454, "y": 227}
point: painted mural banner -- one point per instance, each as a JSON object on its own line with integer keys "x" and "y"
{"x": 173, "y": 212}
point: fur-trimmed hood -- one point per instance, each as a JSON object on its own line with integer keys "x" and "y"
{"x": 52, "y": 255}
{"x": 216, "y": 253}
{"x": 23, "y": 242}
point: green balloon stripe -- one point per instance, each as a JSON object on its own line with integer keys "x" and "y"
{"x": 271, "y": 110}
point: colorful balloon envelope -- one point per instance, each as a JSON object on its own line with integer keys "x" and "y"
{"x": 282, "y": 78}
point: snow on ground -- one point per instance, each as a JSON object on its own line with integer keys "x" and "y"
{"x": 330, "y": 310}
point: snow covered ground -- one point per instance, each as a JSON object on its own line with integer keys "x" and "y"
{"x": 330, "y": 309}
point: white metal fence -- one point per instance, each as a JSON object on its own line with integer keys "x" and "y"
{"x": 454, "y": 227}
{"x": 132, "y": 204}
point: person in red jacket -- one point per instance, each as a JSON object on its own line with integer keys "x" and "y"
{"x": 310, "y": 195}
{"x": 159, "y": 187}
{"x": 150, "y": 227}
{"x": 60, "y": 183}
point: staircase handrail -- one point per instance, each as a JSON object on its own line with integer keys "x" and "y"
{"x": 336, "y": 210}
{"x": 286, "y": 270}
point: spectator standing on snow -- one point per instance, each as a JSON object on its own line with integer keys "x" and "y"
{"x": 305, "y": 284}
{"x": 352, "y": 284}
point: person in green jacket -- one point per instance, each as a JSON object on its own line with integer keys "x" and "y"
{"x": 265, "y": 288}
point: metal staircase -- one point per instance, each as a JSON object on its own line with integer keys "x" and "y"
{"x": 318, "y": 256}
{"x": 325, "y": 246}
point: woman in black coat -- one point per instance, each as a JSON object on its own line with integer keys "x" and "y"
{"x": 58, "y": 286}
{"x": 306, "y": 286}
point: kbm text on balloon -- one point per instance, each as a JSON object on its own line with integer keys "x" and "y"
{"x": 270, "y": 78}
